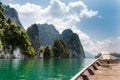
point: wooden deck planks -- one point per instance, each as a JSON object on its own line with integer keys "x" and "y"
{"x": 107, "y": 73}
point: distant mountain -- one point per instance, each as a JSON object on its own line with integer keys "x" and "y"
{"x": 47, "y": 34}
{"x": 115, "y": 54}
{"x": 12, "y": 13}
{"x": 89, "y": 55}
{"x": 42, "y": 35}
{"x": 73, "y": 42}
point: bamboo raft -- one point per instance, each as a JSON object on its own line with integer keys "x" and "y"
{"x": 100, "y": 70}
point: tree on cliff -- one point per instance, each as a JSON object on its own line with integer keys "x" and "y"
{"x": 48, "y": 52}
{"x": 60, "y": 49}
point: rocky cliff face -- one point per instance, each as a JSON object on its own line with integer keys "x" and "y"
{"x": 12, "y": 13}
{"x": 33, "y": 34}
{"x": 73, "y": 42}
{"x": 47, "y": 34}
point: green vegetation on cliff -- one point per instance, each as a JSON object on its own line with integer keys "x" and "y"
{"x": 60, "y": 49}
{"x": 48, "y": 52}
{"x": 13, "y": 36}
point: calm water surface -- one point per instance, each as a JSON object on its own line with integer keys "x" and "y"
{"x": 41, "y": 69}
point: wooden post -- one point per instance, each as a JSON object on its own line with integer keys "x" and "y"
{"x": 85, "y": 77}
{"x": 94, "y": 67}
{"x": 91, "y": 72}
{"x": 98, "y": 63}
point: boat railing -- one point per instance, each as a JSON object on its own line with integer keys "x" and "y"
{"x": 82, "y": 75}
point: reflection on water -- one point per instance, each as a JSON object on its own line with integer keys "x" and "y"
{"x": 41, "y": 69}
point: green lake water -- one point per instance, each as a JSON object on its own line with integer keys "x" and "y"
{"x": 41, "y": 69}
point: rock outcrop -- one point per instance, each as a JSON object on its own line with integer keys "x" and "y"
{"x": 73, "y": 42}
{"x": 12, "y": 13}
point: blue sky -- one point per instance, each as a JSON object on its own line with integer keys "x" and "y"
{"x": 107, "y": 26}
{"x": 96, "y": 23}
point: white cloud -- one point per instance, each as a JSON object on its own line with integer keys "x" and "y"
{"x": 57, "y": 13}
{"x": 111, "y": 45}
{"x": 80, "y": 9}
{"x": 88, "y": 13}
{"x": 26, "y": 9}
{"x": 76, "y": 8}
{"x": 118, "y": 38}
{"x": 57, "y": 9}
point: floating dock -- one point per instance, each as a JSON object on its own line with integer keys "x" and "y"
{"x": 100, "y": 70}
